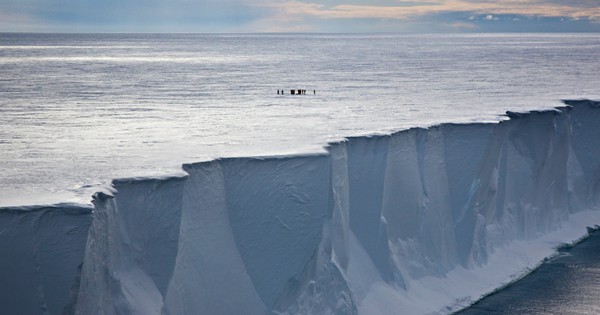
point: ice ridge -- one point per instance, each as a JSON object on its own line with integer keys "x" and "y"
{"x": 423, "y": 220}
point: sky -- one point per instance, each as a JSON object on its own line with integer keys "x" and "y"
{"x": 351, "y": 16}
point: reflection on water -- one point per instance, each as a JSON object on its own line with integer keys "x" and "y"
{"x": 566, "y": 284}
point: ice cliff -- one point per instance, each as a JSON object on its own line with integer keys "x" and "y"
{"x": 424, "y": 220}
{"x": 42, "y": 249}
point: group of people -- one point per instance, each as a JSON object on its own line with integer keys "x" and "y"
{"x": 296, "y": 92}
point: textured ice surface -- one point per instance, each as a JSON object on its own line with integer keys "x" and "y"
{"x": 79, "y": 110}
{"x": 421, "y": 221}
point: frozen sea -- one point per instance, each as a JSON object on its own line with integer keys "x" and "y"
{"x": 77, "y": 110}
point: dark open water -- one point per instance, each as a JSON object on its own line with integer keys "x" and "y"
{"x": 566, "y": 284}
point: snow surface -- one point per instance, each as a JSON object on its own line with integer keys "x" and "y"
{"x": 78, "y": 110}
{"x": 425, "y": 220}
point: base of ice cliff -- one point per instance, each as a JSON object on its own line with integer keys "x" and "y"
{"x": 425, "y": 220}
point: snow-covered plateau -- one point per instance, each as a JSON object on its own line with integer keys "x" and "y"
{"x": 424, "y": 220}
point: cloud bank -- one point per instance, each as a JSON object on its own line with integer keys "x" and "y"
{"x": 299, "y": 16}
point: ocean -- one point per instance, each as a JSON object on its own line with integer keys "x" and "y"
{"x": 566, "y": 284}
{"x": 77, "y": 110}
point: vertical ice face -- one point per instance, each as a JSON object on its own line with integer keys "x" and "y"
{"x": 403, "y": 200}
{"x": 471, "y": 168}
{"x": 416, "y": 221}
{"x": 438, "y": 227}
{"x": 585, "y": 149}
{"x": 251, "y": 226}
{"x": 340, "y": 221}
{"x": 277, "y": 207}
{"x": 366, "y": 160}
{"x": 417, "y": 208}
{"x": 209, "y": 272}
{"x": 131, "y": 248}
{"x": 42, "y": 248}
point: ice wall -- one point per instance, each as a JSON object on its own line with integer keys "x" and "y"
{"x": 41, "y": 250}
{"x": 423, "y": 220}
{"x": 131, "y": 247}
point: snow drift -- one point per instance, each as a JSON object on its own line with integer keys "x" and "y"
{"x": 420, "y": 221}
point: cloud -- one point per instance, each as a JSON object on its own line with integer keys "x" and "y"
{"x": 403, "y": 11}
{"x": 436, "y": 16}
{"x": 282, "y": 15}
{"x": 463, "y": 26}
